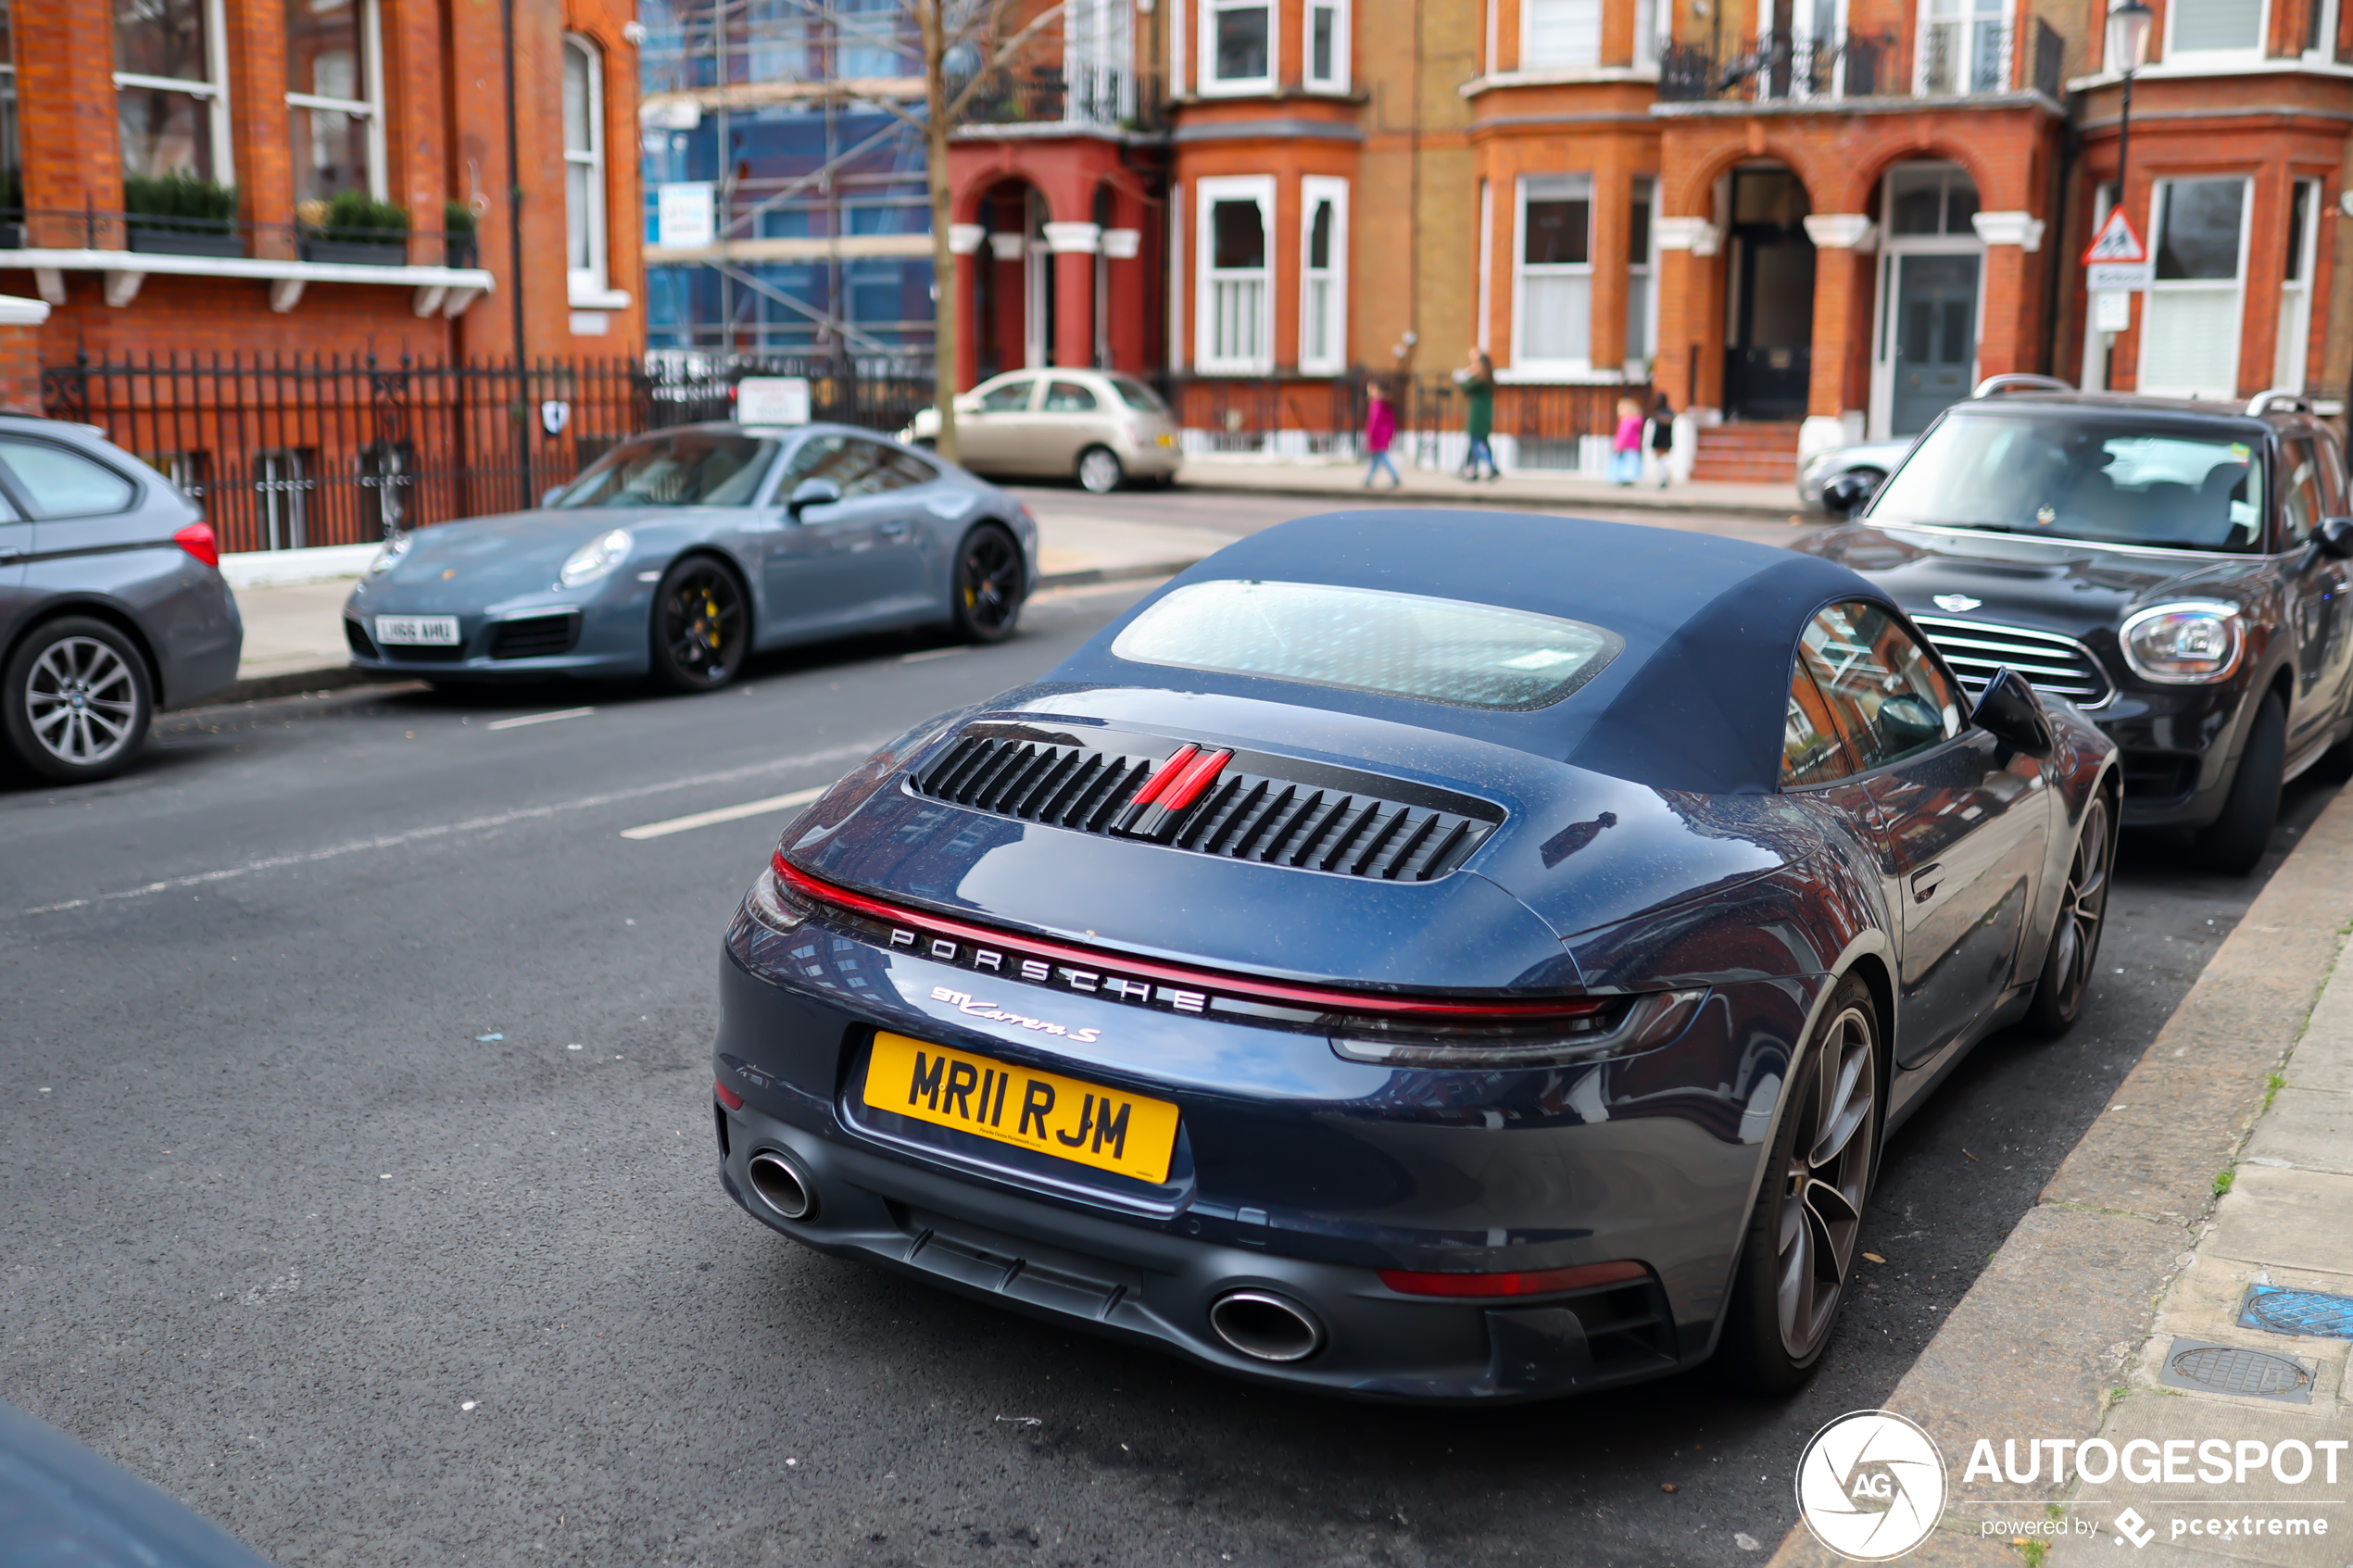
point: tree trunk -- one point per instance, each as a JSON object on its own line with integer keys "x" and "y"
{"x": 947, "y": 304}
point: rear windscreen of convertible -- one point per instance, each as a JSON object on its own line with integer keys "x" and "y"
{"x": 1368, "y": 640}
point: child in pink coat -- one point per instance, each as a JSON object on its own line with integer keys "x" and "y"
{"x": 1380, "y": 428}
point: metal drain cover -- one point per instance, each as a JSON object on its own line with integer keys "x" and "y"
{"x": 2233, "y": 1368}
{"x": 2309, "y": 1312}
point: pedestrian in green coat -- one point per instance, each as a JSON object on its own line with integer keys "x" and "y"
{"x": 1478, "y": 403}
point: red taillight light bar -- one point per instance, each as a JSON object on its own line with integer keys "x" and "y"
{"x": 1526, "y": 1282}
{"x": 1363, "y": 1004}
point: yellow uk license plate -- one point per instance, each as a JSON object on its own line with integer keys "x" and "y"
{"x": 1130, "y": 1134}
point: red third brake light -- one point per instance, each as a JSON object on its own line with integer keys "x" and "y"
{"x": 1195, "y": 778}
{"x": 1536, "y": 1282}
{"x": 198, "y": 540}
{"x": 1168, "y": 769}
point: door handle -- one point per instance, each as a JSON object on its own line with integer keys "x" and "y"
{"x": 892, "y": 530}
{"x": 1925, "y": 881}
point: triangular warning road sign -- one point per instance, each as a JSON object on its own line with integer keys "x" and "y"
{"x": 2115, "y": 241}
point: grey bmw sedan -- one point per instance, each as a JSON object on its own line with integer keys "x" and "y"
{"x": 679, "y": 554}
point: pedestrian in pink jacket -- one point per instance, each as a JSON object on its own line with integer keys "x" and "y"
{"x": 1380, "y": 428}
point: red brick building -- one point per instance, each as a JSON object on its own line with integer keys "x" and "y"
{"x": 1819, "y": 219}
{"x": 187, "y": 177}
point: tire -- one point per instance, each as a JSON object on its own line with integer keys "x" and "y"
{"x": 991, "y": 581}
{"x": 1099, "y": 471}
{"x": 701, "y": 626}
{"x": 77, "y": 700}
{"x": 2242, "y": 831}
{"x": 1805, "y": 1234}
{"x": 2075, "y": 936}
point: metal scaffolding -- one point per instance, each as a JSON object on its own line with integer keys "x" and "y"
{"x": 822, "y": 242}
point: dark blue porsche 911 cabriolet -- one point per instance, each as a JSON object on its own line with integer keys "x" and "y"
{"x": 1416, "y": 955}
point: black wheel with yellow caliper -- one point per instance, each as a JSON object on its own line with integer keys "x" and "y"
{"x": 702, "y": 632}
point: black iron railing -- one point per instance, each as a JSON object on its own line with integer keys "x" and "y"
{"x": 289, "y": 451}
{"x": 1310, "y": 417}
{"x": 1049, "y": 95}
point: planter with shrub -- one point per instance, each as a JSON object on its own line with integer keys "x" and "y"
{"x": 354, "y": 229}
{"x": 181, "y": 214}
{"x": 458, "y": 237}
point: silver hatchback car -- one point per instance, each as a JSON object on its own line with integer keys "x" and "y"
{"x": 1103, "y": 428}
{"x": 111, "y": 600}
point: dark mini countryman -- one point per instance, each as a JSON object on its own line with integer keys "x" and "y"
{"x": 2177, "y": 570}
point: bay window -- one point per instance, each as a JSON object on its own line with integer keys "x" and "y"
{"x": 1323, "y": 275}
{"x": 1237, "y": 46}
{"x": 335, "y": 85}
{"x": 2190, "y": 326}
{"x": 1560, "y": 35}
{"x": 1553, "y": 280}
{"x": 171, "y": 89}
{"x": 1234, "y": 304}
{"x": 1327, "y": 45}
{"x": 583, "y": 168}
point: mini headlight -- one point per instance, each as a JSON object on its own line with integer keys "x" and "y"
{"x": 389, "y": 557}
{"x": 596, "y": 558}
{"x": 2180, "y": 644}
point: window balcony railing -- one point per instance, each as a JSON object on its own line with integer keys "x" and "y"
{"x": 1051, "y": 94}
{"x": 151, "y": 234}
{"x": 1954, "y": 59}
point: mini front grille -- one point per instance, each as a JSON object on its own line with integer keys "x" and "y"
{"x": 2055, "y": 664}
{"x": 362, "y": 646}
{"x": 1256, "y": 809}
{"x": 537, "y": 637}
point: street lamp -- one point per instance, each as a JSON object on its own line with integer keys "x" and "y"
{"x": 2128, "y": 51}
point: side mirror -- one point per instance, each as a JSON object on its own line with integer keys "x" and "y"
{"x": 1845, "y": 496}
{"x": 2010, "y": 711}
{"x": 1907, "y": 723}
{"x": 554, "y": 493}
{"x": 2336, "y": 537}
{"x": 811, "y": 493}
{"x": 968, "y": 405}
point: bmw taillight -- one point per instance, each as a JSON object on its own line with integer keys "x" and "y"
{"x": 198, "y": 540}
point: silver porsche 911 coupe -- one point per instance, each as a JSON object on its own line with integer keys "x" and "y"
{"x": 679, "y": 554}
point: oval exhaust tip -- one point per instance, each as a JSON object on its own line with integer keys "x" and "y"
{"x": 1265, "y": 1326}
{"x": 781, "y": 1186}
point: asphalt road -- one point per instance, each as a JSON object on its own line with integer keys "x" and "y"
{"x": 357, "y": 1186}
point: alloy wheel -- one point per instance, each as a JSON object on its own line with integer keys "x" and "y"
{"x": 701, "y": 627}
{"x": 988, "y": 582}
{"x": 81, "y": 701}
{"x": 1099, "y": 471}
{"x": 1823, "y": 1182}
{"x": 2082, "y": 907}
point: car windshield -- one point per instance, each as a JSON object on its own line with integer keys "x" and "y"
{"x": 690, "y": 469}
{"x": 2109, "y": 480}
{"x": 1367, "y": 639}
{"x": 1137, "y": 395}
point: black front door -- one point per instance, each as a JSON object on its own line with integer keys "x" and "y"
{"x": 1935, "y": 338}
{"x": 1769, "y": 358}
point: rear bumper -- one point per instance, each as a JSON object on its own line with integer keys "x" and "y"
{"x": 1295, "y": 1172}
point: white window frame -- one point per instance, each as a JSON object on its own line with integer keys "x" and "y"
{"x": 2292, "y": 350}
{"x": 1647, "y": 269}
{"x": 369, "y": 110}
{"x": 1099, "y": 49}
{"x": 1528, "y": 57}
{"x": 1207, "y": 193}
{"x": 2158, "y": 288}
{"x": 1653, "y": 19}
{"x": 213, "y": 91}
{"x": 1215, "y": 86}
{"x": 1525, "y": 366}
{"x": 1314, "y": 191}
{"x": 2246, "y": 52}
{"x": 2326, "y": 52}
{"x": 1337, "y": 80}
{"x": 1965, "y": 21}
{"x": 585, "y": 285}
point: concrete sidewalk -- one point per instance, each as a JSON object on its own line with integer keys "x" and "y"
{"x": 2119, "y": 1307}
{"x": 294, "y": 628}
{"x": 1520, "y": 488}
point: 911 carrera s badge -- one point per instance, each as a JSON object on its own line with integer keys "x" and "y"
{"x": 1956, "y": 603}
{"x": 962, "y": 1002}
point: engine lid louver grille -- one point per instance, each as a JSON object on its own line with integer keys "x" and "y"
{"x": 1316, "y": 818}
